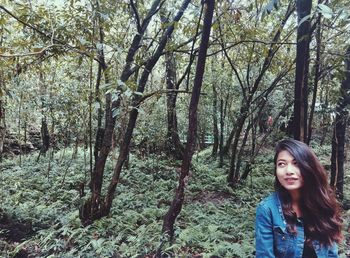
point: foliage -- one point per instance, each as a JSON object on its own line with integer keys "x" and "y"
{"x": 52, "y": 71}
{"x": 216, "y": 220}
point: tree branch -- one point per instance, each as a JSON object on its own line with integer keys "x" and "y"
{"x": 41, "y": 52}
{"x": 137, "y": 16}
{"x": 49, "y": 36}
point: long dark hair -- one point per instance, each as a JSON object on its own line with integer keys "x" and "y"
{"x": 320, "y": 209}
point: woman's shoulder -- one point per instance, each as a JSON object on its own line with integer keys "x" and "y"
{"x": 270, "y": 209}
{"x": 271, "y": 201}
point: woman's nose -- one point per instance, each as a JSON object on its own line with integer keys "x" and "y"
{"x": 290, "y": 169}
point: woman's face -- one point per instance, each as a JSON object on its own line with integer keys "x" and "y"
{"x": 288, "y": 172}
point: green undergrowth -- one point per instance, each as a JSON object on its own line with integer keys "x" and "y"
{"x": 216, "y": 220}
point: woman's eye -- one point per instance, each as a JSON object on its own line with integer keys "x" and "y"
{"x": 280, "y": 164}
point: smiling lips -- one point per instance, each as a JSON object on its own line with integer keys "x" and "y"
{"x": 290, "y": 180}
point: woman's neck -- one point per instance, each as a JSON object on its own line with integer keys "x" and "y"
{"x": 295, "y": 195}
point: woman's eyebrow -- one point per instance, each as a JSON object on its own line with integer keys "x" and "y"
{"x": 285, "y": 160}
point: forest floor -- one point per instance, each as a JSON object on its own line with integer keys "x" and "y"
{"x": 39, "y": 208}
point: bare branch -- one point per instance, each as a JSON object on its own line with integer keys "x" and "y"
{"x": 137, "y": 16}
{"x": 41, "y": 52}
{"x": 158, "y": 92}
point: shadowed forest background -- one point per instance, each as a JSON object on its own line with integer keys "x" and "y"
{"x": 146, "y": 128}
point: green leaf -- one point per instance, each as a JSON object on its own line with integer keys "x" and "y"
{"x": 325, "y": 11}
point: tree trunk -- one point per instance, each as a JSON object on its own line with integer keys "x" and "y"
{"x": 339, "y": 138}
{"x": 317, "y": 73}
{"x": 176, "y": 205}
{"x": 215, "y": 122}
{"x": 231, "y": 178}
{"x": 2, "y": 125}
{"x": 241, "y": 152}
{"x": 223, "y": 106}
{"x": 45, "y": 136}
{"x": 100, "y": 139}
{"x": 175, "y": 146}
{"x": 301, "y": 73}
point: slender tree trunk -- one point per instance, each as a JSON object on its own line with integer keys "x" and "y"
{"x": 317, "y": 73}
{"x": 175, "y": 146}
{"x": 2, "y": 108}
{"x": 176, "y": 205}
{"x": 234, "y": 149}
{"x": 215, "y": 122}
{"x": 339, "y": 138}
{"x": 241, "y": 151}
{"x": 324, "y": 98}
{"x": 2, "y": 124}
{"x": 254, "y": 135}
{"x": 19, "y": 137}
{"x": 45, "y": 136}
{"x": 301, "y": 74}
{"x": 222, "y": 124}
{"x": 102, "y": 70}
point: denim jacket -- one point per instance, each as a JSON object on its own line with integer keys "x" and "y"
{"x": 272, "y": 238}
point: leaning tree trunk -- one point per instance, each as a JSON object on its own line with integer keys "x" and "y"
{"x": 241, "y": 151}
{"x": 301, "y": 73}
{"x": 176, "y": 205}
{"x": 338, "y": 142}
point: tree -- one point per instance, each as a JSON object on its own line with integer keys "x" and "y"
{"x": 97, "y": 206}
{"x": 252, "y": 94}
{"x": 2, "y": 117}
{"x": 339, "y": 132}
{"x": 317, "y": 67}
{"x": 176, "y": 205}
{"x": 301, "y": 70}
{"x": 174, "y": 145}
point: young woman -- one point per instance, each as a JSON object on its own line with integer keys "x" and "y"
{"x": 302, "y": 218}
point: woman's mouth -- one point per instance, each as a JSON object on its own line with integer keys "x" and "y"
{"x": 291, "y": 180}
